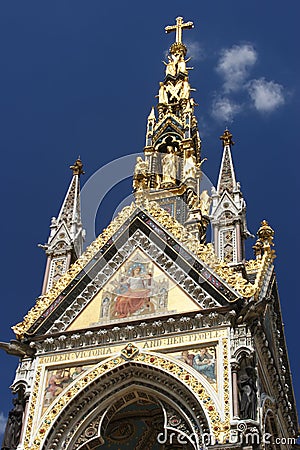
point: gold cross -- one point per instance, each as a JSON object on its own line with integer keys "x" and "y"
{"x": 178, "y": 28}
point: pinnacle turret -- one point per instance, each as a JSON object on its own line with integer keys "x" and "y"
{"x": 65, "y": 241}
{"x": 227, "y": 179}
{"x": 228, "y": 215}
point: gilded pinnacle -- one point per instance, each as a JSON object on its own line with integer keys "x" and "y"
{"x": 266, "y": 233}
{"x": 226, "y": 138}
{"x": 77, "y": 167}
{"x": 265, "y": 241}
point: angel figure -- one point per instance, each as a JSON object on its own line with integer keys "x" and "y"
{"x": 141, "y": 166}
{"x": 162, "y": 94}
{"x": 205, "y": 202}
{"x": 186, "y": 89}
{"x": 190, "y": 167}
{"x": 140, "y": 174}
{"x": 171, "y": 66}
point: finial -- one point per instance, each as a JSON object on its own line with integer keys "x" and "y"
{"x": 77, "y": 167}
{"x": 180, "y": 25}
{"x": 266, "y": 233}
{"x": 178, "y": 45}
{"x": 152, "y": 114}
{"x": 227, "y": 138}
{"x": 265, "y": 241}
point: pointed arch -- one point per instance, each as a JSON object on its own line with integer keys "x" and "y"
{"x": 93, "y": 391}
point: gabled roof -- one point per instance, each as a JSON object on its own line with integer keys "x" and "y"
{"x": 196, "y": 260}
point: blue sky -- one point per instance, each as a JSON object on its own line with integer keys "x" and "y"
{"x": 80, "y": 78}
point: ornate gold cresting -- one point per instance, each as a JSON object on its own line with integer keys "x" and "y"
{"x": 77, "y": 167}
{"x": 226, "y": 138}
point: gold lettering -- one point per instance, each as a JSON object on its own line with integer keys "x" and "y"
{"x": 196, "y": 338}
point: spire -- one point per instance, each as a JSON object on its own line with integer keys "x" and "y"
{"x": 152, "y": 114}
{"x": 228, "y": 216}
{"x": 70, "y": 211}
{"x": 227, "y": 176}
{"x": 66, "y": 237}
{"x": 171, "y": 171}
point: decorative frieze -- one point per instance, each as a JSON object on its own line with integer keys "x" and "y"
{"x": 142, "y": 330}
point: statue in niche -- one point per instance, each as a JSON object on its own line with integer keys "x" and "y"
{"x": 13, "y": 428}
{"x": 205, "y": 202}
{"x": 248, "y": 397}
{"x": 169, "y": 167}
{"x": 140, "y": 177}
{"x": 162, "y": 94}
{"x": 190, "y": 166}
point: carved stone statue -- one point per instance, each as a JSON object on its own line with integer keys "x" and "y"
{"x": 169, "y": 167}
{"x": 162, "y": 94}
{"x": 186, "y": 89}
{"x": 189, "y": 168}
{"x": 205, "y": 202}
{"x": 140, "y": 177}
{"x": 14, "y": 426}
{"x": 181, "y": 65}
{"x": 248, "y": 397}
{"x": 171, "y": 67}
{"x": 176, "y": 64}
{"x": 141, "y": 166}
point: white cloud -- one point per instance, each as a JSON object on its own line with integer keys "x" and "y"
{"x": 266, "y": 95}
{"x": 166, "y": 53}
{"x": 224, "y": 109}
{"x": 195, "y": 50}
{"x": 2, "y": 423}
{"x": 234, "y": 65}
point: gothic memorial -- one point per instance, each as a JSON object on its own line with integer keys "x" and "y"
{"x": 153, "y": 338}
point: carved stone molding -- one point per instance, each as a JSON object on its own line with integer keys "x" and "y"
{"x": 24, "y": 376}
{"x": 276, "y": 378}
{"x": 240, "y": 340}
{"x": 124, "y": 332}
